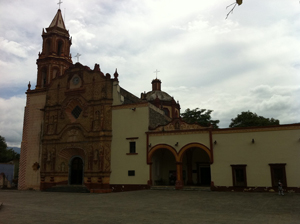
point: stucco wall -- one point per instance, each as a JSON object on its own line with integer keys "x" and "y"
{"x": 270, "y": 146}
{"x": 183, "y": 138}
{"x": 128, "y": 124}
{"x": 30, "y": 146}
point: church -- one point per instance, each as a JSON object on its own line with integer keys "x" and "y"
{"x": 81, "y": 128}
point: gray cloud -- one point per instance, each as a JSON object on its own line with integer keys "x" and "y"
{"x": 247, "y": 62}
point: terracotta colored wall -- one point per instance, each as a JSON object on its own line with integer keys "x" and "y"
{"x": 30, "y": 146}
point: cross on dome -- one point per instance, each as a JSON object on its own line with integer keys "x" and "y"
{"x": 156, "y": 71}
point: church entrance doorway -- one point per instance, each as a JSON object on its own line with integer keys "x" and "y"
{"x": 76, "y": 171}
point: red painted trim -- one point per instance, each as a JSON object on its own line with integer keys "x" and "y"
{"x": 132, "y": 138}
{"x": 162, "y": 146}
{"x": 211, "y": 147}
{"x": 278, "y": 165}
{"x": 186, "y": 147}
{"x": 258, "y": 127}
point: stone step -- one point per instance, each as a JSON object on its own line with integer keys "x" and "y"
{"x": 185, "y": 188}
{"x": 69, "y": 188}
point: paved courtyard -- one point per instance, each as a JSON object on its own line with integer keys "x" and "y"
{"x": 148, "y": 206}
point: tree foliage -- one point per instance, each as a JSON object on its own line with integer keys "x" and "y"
{"x": 6, "y": 154}
{"x": 249, "y": 119}
{"x": 199, "y": 116}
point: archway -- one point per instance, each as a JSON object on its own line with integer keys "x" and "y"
{"x": 195, "y": 160}
{"x": 163, "y": 167}
{"x": 76, "y": 171}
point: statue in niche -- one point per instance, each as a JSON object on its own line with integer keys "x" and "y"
{"x": 107, "y": 158}
{"x": 48, "y": 156}
{"x": 177, "y": 125}
{"x": 73, "y": 133}
{"x": 62, "y": 167}
{"x": 103, "y": 92}
{"x": 62, "y": 116}
{"x": 90, "y": 158}
{"x": 45, "y": 158}
{"x": 102, "y": 117}
{"x": 95, "y": 156}
{"x": 101, "y": 120}
{"x": 52, "y": 158}
{"x": 96, "y": 122}
{"x": 100, "y": 162}
{"x": 47, "y": 118}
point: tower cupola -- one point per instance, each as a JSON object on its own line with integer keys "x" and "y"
{"x": 55, "y": 57}
{"x": 156, "y": 84}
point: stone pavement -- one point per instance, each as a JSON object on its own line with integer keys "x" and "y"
{"x": 148, "y": 206}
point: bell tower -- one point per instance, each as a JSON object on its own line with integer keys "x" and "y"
{"x": 55, "y": 57}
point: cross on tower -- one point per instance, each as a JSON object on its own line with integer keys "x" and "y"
{"x": 156, "y": 71}
{"x": 77, "y": 56}
{"x": 59, "y": 2}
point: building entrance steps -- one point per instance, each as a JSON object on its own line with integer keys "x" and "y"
{"x": 185, "y": 188}
{"x": 69, "y": 188}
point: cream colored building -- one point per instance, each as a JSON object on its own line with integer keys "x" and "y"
{"x": 81, "y": 128}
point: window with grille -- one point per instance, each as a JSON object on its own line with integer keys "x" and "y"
{"x": 278, "y": 173}
{"x": 131, "y": 172}
{"x": 76, "y": 111}
{"x": 132, "y": 147}
{"x": 239, "y": 177}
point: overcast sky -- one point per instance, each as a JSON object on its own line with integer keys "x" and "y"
{"x": 251, "y": 61}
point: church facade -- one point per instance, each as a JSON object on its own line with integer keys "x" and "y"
{"x": 82, "y": 128}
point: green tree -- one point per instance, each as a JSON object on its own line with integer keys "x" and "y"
{"x": 6, "y": 154}
{"x": 249, "y": 119}
{"x": 199, "y": 116}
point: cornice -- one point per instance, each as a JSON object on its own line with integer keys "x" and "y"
{"x": 257, "y": 129}
{"x": 128, "y": 106}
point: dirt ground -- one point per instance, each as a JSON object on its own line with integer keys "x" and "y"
{"x": 148, "y": 206}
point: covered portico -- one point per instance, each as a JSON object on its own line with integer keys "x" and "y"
{"x": 179, "y": 154}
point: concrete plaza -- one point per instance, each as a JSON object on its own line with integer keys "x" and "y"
{"x": 148, "y": 206}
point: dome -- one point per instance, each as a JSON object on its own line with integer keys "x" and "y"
{"x": 152, "y": 95}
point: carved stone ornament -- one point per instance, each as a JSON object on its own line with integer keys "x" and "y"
{"x": 35, "y": 166}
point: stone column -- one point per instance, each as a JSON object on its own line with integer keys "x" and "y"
{"x": 179, "y": 181}
{"x": 189, "y": 156}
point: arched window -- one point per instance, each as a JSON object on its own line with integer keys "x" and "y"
{"x": 55, "y": 73}
{"x": 59, "y": 47}
{"x": 44, "y": 76}
{"x": 167, "y": 112}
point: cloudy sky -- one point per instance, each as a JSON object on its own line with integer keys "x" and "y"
{"x": 249, "y": 61}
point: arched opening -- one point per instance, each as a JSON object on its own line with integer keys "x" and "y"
{"x": 54, "y": 73}
{"x": 44, "y": 76}
{"x": 59, "y": 48}
{"x": 76, "y": 171}
{"x": 196, "y": 167}
{"x": 163, "y": 167}
{"x": 48, "y": 47}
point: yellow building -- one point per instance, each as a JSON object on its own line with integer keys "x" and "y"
{"x": 82, "y": 129}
